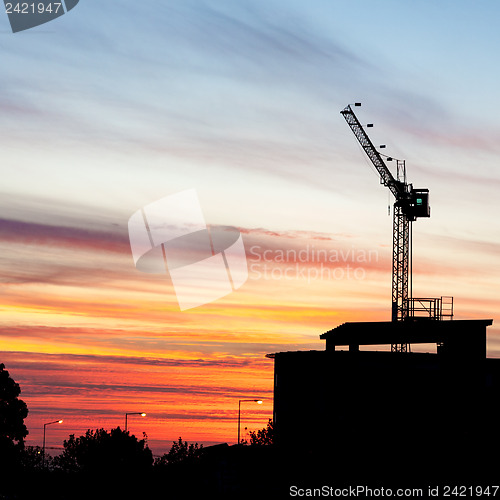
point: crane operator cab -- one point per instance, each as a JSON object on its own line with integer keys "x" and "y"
{"x": 417, "y": 204}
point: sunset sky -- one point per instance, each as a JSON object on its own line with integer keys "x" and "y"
{"x": 118, "y": 104}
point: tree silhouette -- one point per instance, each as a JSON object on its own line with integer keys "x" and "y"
{"x": 13, "y": 411}
{"x": 31, "y": 458}
{"x": 264, "y": 436}
{"x": 105, "y": 452}
{"x": 180, "y": 452}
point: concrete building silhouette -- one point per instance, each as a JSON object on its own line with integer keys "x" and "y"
{"x": 413, "y": 407}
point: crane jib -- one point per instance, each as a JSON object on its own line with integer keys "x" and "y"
{"x": 397, "y": 188}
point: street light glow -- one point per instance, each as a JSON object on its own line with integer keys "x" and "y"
{"x": 258, "y": 401}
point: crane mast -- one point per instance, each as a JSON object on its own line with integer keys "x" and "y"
{"x": 409, "y": 205}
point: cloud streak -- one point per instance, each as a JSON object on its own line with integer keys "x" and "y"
{"x": 30, "y": 233}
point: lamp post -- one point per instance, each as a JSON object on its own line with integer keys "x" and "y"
{"x": 258, "y": 401}
{"x": 142, "y": 414}
{"x": 43, "y": 447}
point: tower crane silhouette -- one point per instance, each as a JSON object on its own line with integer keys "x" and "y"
{"x": 409, "y": 205}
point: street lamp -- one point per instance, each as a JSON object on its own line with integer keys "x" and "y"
{"x": 43, "y": 447}
{"x": 142, "y": 414}
{"x": 258, "y": 401}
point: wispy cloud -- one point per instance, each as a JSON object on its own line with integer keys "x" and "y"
{"x": 29, "y": 233}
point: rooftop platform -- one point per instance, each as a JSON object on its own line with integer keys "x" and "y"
{"x": 458, "y": 337}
